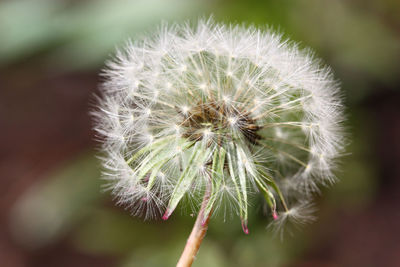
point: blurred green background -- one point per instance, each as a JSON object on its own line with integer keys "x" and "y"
{"x": 53, "y": 210}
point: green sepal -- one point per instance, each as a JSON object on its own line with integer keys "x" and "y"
{"x": 217, "y": 177}
{"x": 158, "y": 157}
{"x": 271, "y": 182}
{"x": 242, "y": 183}
{"x": 155, "y": 145}
{"x": 198, "y": 157}
{"x": 269, "y": 197}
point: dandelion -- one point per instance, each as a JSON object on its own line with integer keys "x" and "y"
{"x": 210, "y": 112}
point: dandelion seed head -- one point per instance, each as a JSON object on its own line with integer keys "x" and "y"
{"x": 226, "y": 98}
{"x": 232, "y": 120}
{"x": 183, "y": 68}
{"x": 207, "y": 132}
{"x": 185, "y": 109}
{"x": 231, "y": 108}
{"x": 299, "y": 215}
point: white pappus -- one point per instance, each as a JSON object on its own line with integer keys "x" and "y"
{"x": 224, "y": 110}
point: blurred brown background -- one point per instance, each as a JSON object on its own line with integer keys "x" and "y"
{"x": 52, "y": 210}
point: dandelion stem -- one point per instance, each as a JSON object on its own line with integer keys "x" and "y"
{"x": 198, "y": 232}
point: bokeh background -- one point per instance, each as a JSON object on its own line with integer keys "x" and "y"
{"x": 52, "y": 210}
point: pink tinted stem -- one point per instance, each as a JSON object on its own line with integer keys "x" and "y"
{"x": 196, "y": 236}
